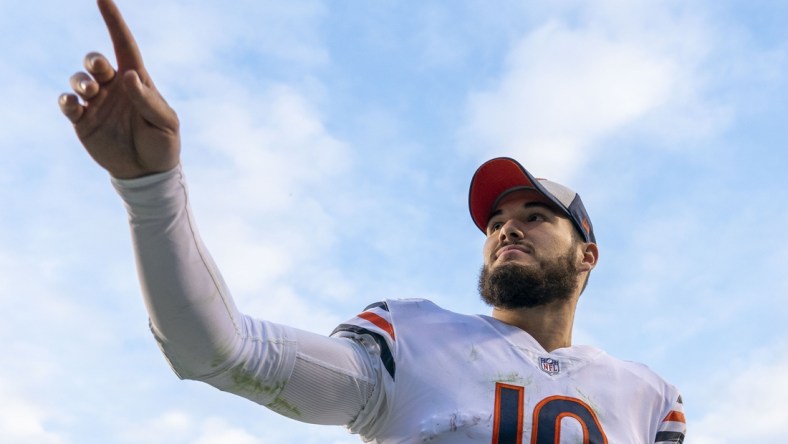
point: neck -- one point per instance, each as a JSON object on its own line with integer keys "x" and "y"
{"x": 551, "y": 324}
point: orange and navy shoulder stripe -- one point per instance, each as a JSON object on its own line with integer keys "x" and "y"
{"x": 375, "y": 322}
{"x": 673, "y": 426}
{"x": 382, "y": 322}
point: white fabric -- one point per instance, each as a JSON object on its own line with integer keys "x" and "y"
{"x": 448, "y": 365}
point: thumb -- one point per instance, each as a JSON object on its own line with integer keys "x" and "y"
{"x": 150, "y": 104}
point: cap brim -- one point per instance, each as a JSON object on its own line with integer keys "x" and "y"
{"x": 492, "y": 179}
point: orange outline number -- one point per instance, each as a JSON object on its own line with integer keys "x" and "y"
{"x": 508, "y": 419}
{"x": 547, "y": 416}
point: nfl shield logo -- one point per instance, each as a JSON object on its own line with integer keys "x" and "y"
{"x": 549, "y": 366}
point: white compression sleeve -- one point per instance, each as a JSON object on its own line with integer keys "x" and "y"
{"x": 305, "y": 376}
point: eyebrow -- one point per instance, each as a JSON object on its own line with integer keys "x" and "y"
{"x": 527, "y": 205}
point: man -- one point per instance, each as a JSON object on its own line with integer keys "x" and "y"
{"x": 401, "y": 371}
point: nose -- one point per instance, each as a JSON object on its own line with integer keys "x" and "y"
{"x": 511, "y": 230}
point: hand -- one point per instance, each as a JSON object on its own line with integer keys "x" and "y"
{"x": 122, "y": 120}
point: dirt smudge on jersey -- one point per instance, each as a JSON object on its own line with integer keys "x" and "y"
{"x": 439, "y": 426}
{"x": 285, "y": 408}
{"x": 474, "y": 354}
{"x": 513, "y": 378}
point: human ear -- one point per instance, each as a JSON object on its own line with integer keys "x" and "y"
{"x": 590, "y": 253}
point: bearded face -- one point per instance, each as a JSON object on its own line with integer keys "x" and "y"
{"x": 512, "y": 285}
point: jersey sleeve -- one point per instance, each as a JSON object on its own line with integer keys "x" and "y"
{"x": 374, "y": 329}
{"x": 192, "y": 314}
{"x": 673, "y": 426}
{"x": 373, "y": 323}
{"x": 308, "y": 377}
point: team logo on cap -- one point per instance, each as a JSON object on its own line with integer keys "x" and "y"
{"x": 549, "y": 366}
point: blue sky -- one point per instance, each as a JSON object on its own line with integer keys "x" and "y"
{"x": 329, "y": 146}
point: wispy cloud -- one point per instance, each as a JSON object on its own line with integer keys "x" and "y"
{"x": 585, "y": 75}
{"x": 23, "y": 419}
{"x": 267, "y": 156}
{"x": 179, "y": 426}
{"x": 757, "y": 382}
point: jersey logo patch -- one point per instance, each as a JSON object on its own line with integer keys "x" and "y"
{"x": 549, "y": 366}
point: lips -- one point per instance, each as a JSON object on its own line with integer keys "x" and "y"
{"x": 512, "y": 247}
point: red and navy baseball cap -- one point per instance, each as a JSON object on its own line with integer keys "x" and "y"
{"x": 501, "y": 175}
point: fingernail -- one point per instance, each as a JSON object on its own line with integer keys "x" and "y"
{"x": 83, "y": 85}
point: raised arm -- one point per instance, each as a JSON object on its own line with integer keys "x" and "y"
{"x": 131, "y": 131}
{"x": 119, "y": 116}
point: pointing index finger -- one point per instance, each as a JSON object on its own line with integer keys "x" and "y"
{"x": 126, "y": 50}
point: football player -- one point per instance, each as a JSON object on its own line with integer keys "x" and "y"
{"x": 401, "y": 371}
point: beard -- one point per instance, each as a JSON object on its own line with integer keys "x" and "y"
{"x": 512, "y": 286}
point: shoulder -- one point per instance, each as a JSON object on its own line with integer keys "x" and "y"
{"x": 636, "y": 374}
{"x": 636, "y": 384}
{"x": 418, "y": 307}
{"x": 671, "y": 422}
{"x": 407, "y": 314}
{"x": 415, "y": 306}
{"x": 392, "y": 317}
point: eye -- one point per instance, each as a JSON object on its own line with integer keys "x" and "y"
{"x": 493, "y": 227}
{"x": 536, "y": 217}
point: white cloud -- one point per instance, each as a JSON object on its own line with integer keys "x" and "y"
{"x": 259, "y": 161}
{"x": 217, "y": 431}
{"x": 747, "y": 407}
{"x": 272, "y": 142}
{"x": 180, "y": 427}
{"x": 182, "y": 37}
{"x": 255, "y": 425}
{"x": 565, "y": 87}
{"x": 170, "y": 427}
{"x": 23, "y": 420}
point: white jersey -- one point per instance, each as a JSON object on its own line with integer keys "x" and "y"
{"x": 453, "y": 378}
{"x": 400, "y": 372}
